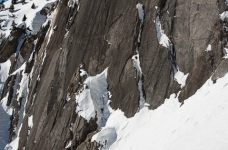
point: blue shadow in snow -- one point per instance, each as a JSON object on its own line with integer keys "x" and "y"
{"x": 2, "y": 1}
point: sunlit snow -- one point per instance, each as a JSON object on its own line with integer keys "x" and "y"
{"x": 208, "y": 48}
{"x": 180, "y": 77}
{"x": 22, "y": 93}
{"x": 226, "y": 55}
{"x": 69, "y": 144}
{"x": 140, "y": 12}
{"x": 19, "y": 11}
{"x": 4, "y": 72}
{"x": 135, "y": 58}
{"x": 224, "y": 15}
{"x": 92, "y": 99}
{"x": 30, "y": 121}
{"x": 199, "y": 124}
{"x": 162, "y": 37}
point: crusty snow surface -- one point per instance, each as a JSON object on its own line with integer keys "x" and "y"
{"x": 199, "y": 124}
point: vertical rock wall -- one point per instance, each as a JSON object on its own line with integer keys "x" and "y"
{"x": 103, "y": 34}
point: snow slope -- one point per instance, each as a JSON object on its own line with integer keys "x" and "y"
{"x": 4, "y": 117}
{"x": 22, "y": 92}
{"x": 4, "y": 126}
{"x": 92, "y": 99}
{"x": 19, "y": 11}
{"x": 4, "y": 71}
{"x": 199, "y": 124}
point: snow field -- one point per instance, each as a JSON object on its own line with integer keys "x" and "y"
{"x": 201, "y": 123}
{"x": 19, "y": 11}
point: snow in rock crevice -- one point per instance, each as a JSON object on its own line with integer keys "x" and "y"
{"x": 163, "y": 40}
{"x": 162, "y": 37}
{"x": 69, "y": 144}
{"x": 135, "y": 58}
{"x": 136, "y": 64}
{"x": 140, "y": 9}
{"x": 30, "y": 121}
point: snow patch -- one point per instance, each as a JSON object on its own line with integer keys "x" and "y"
{"x": 181, "y": 78}
{"x": 77, "y": 2}
{"x": 108, "y": 42}
{"x": 83, "y": 73}
{"x": 162, "y": 37}
{"x": 4, "y": 72}
{"x": 140, "y": 12}
{"x": 66, "y": 34}
{"x": 135, "y": 58}
{"x": 92, "y": 99}
{"x": 226, "y": 55}
{"x": 73, "y": 4}
{"x": 208, "y": 48}
{"x": 69, "y": 144}
{"x": 68, "y": 97}
{"x": 30, "y": 121}
{"x": 223, "y": 16}
{"x": 109, "y": 95}
{"x": 136, "y": 64}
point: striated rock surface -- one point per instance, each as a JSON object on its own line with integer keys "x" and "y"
{"x": 92, "y": 35}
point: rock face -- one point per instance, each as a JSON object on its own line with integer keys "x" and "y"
{"x": 104, "y": 34}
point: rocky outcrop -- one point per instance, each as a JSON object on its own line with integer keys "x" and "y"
{"x": 104, "y": 34}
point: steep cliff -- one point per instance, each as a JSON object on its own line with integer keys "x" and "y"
{"x": 91, "y": 57}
